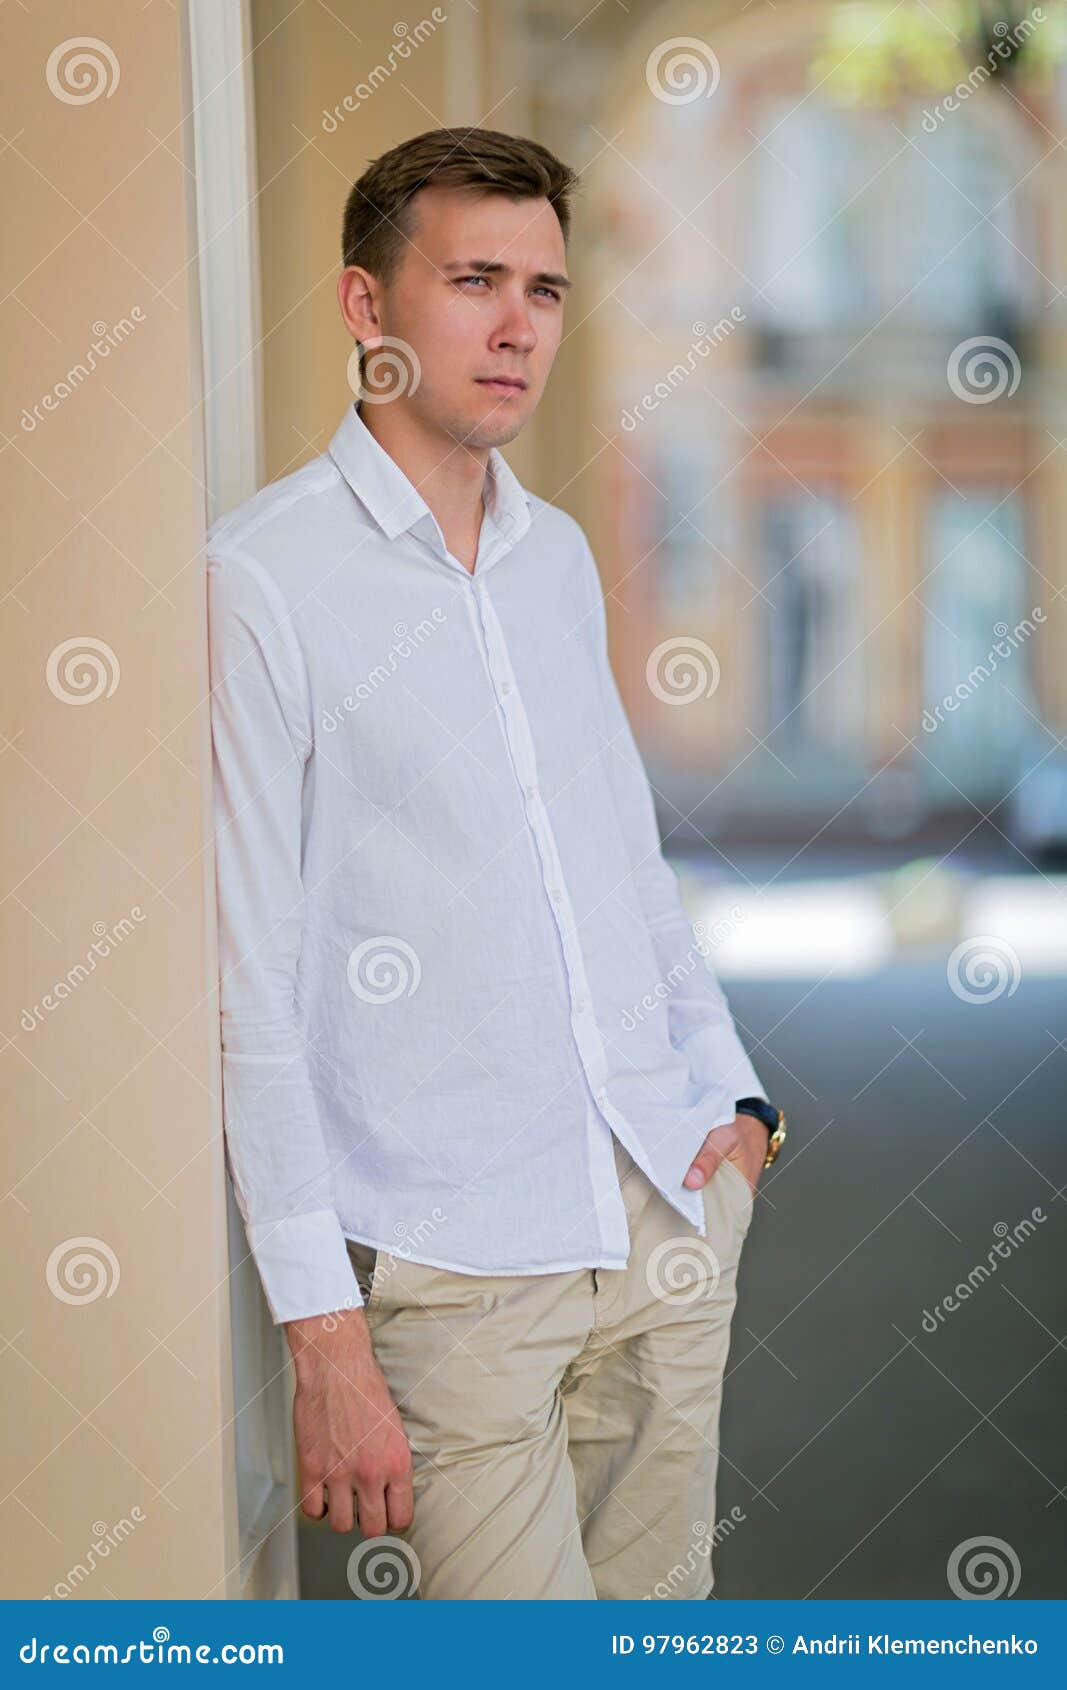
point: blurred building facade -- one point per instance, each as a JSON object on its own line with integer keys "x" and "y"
{"x": 832, "y": 376}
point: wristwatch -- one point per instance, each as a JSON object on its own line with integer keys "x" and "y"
{"x": 772, "y": 1119}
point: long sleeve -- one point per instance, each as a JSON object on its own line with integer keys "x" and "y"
{"x": 261, "y": 733}
{"x": 699, "y": 1020}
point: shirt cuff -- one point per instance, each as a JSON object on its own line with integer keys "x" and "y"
{"x": 304, "y": 1265}
{"x": 718, "y": 1060}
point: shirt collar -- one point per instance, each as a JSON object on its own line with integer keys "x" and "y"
{"x": 396, "y": 504}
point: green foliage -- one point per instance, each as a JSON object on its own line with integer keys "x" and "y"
{"x": 874, "y": 53}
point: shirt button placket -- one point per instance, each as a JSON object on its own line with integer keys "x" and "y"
{"x": 520, "y": 740}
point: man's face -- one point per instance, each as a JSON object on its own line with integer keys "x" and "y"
{"x": 468, "y": 323}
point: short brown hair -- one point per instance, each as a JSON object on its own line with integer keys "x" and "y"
{"x": 378, "y": 221}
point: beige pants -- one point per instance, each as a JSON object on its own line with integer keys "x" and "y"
{"x": 564, "y": 1426}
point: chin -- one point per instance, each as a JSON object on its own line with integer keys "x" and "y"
{"x": 494, "y": 430}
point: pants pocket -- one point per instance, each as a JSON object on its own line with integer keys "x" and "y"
{"x": 364, "y": 1259}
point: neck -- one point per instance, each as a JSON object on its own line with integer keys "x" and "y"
{"x": 449, "y": 475}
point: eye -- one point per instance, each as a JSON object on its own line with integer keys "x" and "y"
{"x": 543, "y": 288}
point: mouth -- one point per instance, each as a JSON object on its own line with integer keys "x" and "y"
{"x": 506, "y": 386}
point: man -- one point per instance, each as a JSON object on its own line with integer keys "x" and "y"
{"x": 481, "y": 1087}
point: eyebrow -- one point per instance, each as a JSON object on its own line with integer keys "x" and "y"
{"x": 494, "y": 267}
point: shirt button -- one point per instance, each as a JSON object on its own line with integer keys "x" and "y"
{"x": 505, "y": 687}
{"x": 557, "y": 895}
{"x": 531, "y": 791}
{"x": 582, "y": 1005}
{"x": 602, "y": 1096}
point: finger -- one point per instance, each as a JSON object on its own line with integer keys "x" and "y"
{"x": 400, "y": 1501}
{"x": 313, "y": 1502}
{"x": 340, "y": 1511}
{"x": 372, "y": 1511}
{"x": 703, "y": 1165}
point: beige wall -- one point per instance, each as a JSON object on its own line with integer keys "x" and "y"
{"x": 118, "y": 1402}
{"x": 118, "y": 1458}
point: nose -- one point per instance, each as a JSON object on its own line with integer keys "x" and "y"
{"x": 515, "y": 329}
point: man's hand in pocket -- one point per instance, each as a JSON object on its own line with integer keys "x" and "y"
{"x": 743, "y": 1141}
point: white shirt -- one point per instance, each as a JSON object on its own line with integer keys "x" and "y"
{"x": 453, "y": 957}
